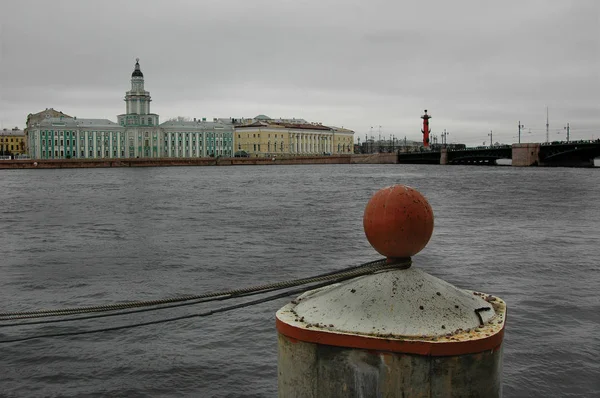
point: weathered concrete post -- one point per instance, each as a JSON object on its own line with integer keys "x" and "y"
{"x": 399, "y": 333}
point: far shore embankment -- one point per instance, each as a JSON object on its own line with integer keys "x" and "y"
{"x": 377, "y": 158}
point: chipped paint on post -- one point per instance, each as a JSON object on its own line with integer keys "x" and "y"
{"x": 391, "y": 334}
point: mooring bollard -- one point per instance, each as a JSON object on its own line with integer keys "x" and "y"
{"x": 397, "y": 333}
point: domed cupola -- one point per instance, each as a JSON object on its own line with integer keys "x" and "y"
{"x": 137, "y": 72}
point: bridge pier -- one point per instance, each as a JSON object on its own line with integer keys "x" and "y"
{"x": 444, "y": 156}
{"x": 524, "y": 155}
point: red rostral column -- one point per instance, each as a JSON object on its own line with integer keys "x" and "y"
{"x": 425, "y": 129}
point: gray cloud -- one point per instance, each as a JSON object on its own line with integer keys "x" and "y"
{"x": 475, "y": 65}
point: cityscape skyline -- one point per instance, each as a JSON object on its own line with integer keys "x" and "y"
{"x": 302, "y": 61}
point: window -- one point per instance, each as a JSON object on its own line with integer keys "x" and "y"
{"x": 55, "y": 142}
{"x": 82, "y": 153}
{"x": 67, "y": 142}
{"x": 62, "y": 153}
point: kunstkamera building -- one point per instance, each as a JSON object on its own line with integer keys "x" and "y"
{"x": 137, "y": 133}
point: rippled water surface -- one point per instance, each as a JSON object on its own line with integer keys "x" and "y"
{"x": 97, "y": 236}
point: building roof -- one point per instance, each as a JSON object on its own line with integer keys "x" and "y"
{"x": 45, "y": 114}
{"x": 12, "y": 132}
{"x": 292, "y": 120}
{"x": 72, "y": 123}
{"x": 137, "y": 72}
{"x": 342, "y": 130}
{"x": 262, "y": 117}
{"x": 301, "y": 126}
{"x": 194, "y": 124}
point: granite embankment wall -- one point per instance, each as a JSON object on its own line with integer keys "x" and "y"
{"x": 383, "y": 158}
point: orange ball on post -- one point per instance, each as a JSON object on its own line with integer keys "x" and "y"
{"x": 398, "y": 221}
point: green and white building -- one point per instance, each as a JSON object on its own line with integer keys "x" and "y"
{"x": 137, "y": 133}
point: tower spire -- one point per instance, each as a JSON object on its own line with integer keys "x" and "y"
{"x": 137, "y": 72}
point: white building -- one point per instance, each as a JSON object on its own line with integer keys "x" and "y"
{"x": 137, "y": 133}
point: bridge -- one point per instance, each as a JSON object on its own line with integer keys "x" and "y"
{"x": 566, "y": 154}
{"x": 571, "y": 154}
{"x": 479, "y": 156}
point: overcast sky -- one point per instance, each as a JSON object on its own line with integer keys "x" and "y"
{"x": 477, "y": 66}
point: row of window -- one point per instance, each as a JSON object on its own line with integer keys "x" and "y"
{"x": 198, "y": 135}
{"x": 68, "y": 142}
{"x": 73, "y": 154}
{"x": 297, "y": 136}
{"x": 11, "y": 140}
{"x": 133, "y": 120}
{"x": 187, "y": 154}
{"x": 72, "y": 133}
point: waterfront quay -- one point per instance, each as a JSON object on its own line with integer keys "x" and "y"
{"x": 377, "y": 158}
{"x": 573, "y": 154}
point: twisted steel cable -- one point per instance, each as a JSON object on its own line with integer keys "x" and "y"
{"x": 363, "y": 269}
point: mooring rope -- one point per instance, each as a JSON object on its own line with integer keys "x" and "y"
{"x": 324, "y": 279}
{"x": 363, "y": 269}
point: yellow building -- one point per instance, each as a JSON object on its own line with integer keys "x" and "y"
{"x": 12, "y": 142}
{"x": 265, "y": 137}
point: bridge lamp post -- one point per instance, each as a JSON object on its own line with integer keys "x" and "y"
{"x": 491, "y": 139}
{"x": 445, "y": 138}
{"x": 520, "y": 127}
{"x": 568, "y": 130}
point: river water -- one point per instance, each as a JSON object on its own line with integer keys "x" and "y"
{"x": 98, "y": 236}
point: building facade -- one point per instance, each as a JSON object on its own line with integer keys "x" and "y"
{"x": 266, "y": 137}
{"x": 137, "y": 133}
{"x": 12, "y": 143}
